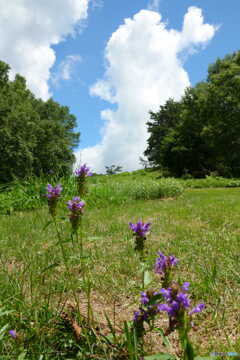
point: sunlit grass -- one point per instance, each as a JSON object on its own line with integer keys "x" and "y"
{"x": 201, "y": 228}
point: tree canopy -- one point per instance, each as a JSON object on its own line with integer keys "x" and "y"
{"x": 36, "y": 136}
{"x": 200, "y": 133}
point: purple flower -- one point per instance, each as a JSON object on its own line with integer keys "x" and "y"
{"x": 164, "y": 307}
{"x": 183, "y": 299}
{"x": 83, "y": 171}
{"x": 185, "y": 286}
{"x": 144, "y": 298}
{"x": 140, "y": 228}
{"x": 197, "y": 309}
{"x": 141, "y": 315}
{"x": 136, "y": 316}
{"x": 165, "y": 263}
{"x": 13, "y": 334}
{"x": 76, "y": 205}
{"x": 166, "y": 293}
{"x": 177, "y": 300}
{"x": 53, "y": 192}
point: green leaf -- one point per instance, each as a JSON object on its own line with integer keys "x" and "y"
{"x": 155, "y": 298}
{"x": 147, "y": 278}
{"x": 111, "y": 327}
{"x": 164, "y": 338}
{"x": 22, "y": 356}
{"x": 49, "y": 267}
{"x": 63, "y": 241}
{"x": 3, "y": 331}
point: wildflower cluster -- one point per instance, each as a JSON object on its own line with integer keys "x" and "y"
{"x": 147, "y": 310}
{"x": 163, "y": 267}
{"x": 53, "y": 194}
{"x": 81, "y": 173}
{"x": 140, "y": 230}
{"x": 76, "y": 207}
{"x": 177, "y": 305}
{"x": 174, "y": 299}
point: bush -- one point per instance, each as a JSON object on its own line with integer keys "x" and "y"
{"x": 156, "y": 189}
{"x": 210, "y": 182}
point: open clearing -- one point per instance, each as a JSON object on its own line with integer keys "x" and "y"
{"x": 201, "y": 228}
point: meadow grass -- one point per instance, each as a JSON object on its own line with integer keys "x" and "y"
{"x": 103, "y": 190}
{"x": 201, "y": 228}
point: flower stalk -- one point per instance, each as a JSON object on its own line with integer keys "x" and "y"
{"x": 81, "y": 175}
{"x": 53, "y": 194}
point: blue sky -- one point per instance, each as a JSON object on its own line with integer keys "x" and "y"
{"x": 67, "y": 65}
{"x": 104, "y": 20}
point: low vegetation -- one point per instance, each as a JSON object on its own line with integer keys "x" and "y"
{"x": 68, "y": 294}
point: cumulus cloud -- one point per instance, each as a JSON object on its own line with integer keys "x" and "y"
{"x": 29, "y": 28}
{"x": 144, "y": 68}
{"x": 65, "y": 70}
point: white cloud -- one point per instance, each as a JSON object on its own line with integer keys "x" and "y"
{"x": 29, "y": 28}
{"x": 65, "y": 70}
{"x": 96, "y": 3}
{"x": 154, "y": 5}
{"x": 144, "y": 68}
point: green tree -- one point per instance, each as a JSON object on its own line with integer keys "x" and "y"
{"x": 113, "y": 169}
{"x": 35, "y": 136}
{"x": 53, "y": 150}
{"x": 201, "y": 132}
{"x": 162, "y": 140}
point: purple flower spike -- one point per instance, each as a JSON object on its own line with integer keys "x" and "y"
{"x": 140, "y": 228}
{"x": 13, "y": 334}
{"x": 83, "y": 171}
{"x": 144, "y": 298}
{"x": 166, "y": 293}
{"x": 197, "y": 309}
{"x": 164, "y": 307}
{"x": 136, "y": 316}
{"x": 183, "y": 299}
{"x": 164, "y": 263}
{"x": 185, "y": 286}
{"x": 76, "y": 205}
{"x": 53, "y": 192}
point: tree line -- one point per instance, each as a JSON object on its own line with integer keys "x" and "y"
{"x": 200, "y": 134}
{"x": 36, "y": 136}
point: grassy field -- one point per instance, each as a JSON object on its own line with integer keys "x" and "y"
{"x": 40, "y": 292}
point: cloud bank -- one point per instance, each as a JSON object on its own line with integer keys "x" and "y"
{"x": 29, "y": 28}
{"x": 144, "y": 69}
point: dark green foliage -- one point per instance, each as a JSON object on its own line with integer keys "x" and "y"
{"x": 200, "y": 134}
{"x": 113, "y": 169}
{"x": 36, "y": 136}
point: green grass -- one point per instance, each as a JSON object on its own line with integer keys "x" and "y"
{"x": 201, "y": 228}
{"x": 103, "y": 190}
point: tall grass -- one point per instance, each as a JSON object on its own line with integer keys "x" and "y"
{"x": 103, "y": 191}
